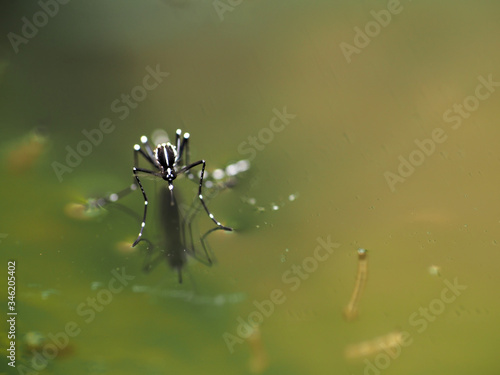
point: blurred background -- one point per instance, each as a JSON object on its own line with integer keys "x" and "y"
{"x": 363, "y": 84}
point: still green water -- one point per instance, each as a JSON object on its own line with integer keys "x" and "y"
{"x": 368, "y": 125}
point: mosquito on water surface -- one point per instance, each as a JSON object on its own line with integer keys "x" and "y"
{"x": 167, "y": 161}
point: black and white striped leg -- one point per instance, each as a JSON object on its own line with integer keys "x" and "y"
{"x": 200, "y": 193}
{"x": 178, "y": 144}
{"x": 143, "y": 224}
{"x": 182, "y": 147}
{"x": 149, "y": 156}
{"x": 186, "y": 153}
{"x": 149, "y": 149}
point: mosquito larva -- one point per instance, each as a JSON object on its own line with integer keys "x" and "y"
{"x": 375, "y": 346}
{"x": 351, "y": 310}
{"x": 258, "y": 360}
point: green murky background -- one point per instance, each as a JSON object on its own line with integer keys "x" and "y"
{"x": 353, "y": 122}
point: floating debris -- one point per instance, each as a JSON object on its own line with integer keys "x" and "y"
{"x": 81, "y": 211}
{"x": 434, "y": 270}
{"x": 374, "y": 346}
{"x": 258, "y": 359}
{"x": 351, "y": 310}
{"x": 34, "y": 340}
{"x": 38, "y": 351}
{"x": 26, "y": 153}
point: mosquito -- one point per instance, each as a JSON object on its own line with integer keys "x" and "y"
{"x": 166, "y": 161}
{"x": 174, "y": 247}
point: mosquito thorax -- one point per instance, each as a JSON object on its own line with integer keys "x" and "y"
{"x": 166, "y": 155}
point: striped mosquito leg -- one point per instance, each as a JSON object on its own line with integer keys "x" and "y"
{"x": 178, "y": 144}
{"x": 143, "y": 224}
{"x": 351, "y": 310}
{"x": 183, "y": 150}
{"x": 149, "y": 150}
{"x": 186, "y": 145}
{"x": 138, "y": 150}
{"x": 200, "y": 195}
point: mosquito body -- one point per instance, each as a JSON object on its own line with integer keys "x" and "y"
{"x": 166, "y": 161}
